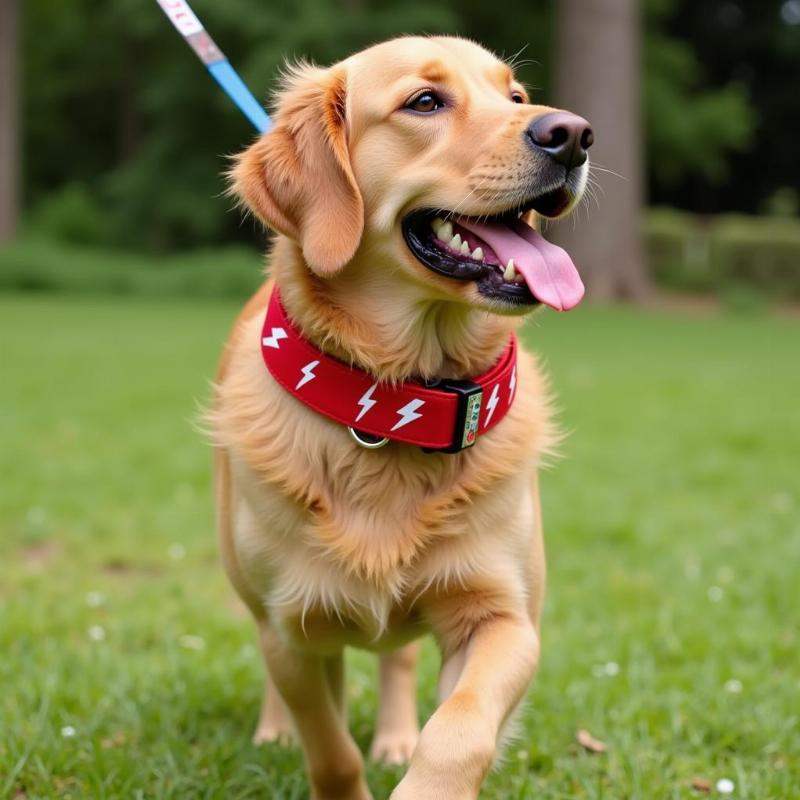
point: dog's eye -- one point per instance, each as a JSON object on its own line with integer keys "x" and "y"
{"x": 425, "y": 103}
{"x": 517, "y": 97}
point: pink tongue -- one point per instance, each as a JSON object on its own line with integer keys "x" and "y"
{"x": 548, "y": 270}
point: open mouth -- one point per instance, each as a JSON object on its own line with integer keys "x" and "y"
{"x": 508, "y": 260}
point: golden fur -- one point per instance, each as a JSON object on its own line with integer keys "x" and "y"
{"x": 330, "y": 544}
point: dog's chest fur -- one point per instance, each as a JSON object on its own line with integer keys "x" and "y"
{"x": 341, "y": 541}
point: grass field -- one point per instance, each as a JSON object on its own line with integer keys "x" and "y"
{"x": 673, "y": 529}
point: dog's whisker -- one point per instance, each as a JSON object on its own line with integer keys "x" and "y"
{"x": 596, "y": 188}
{"x": 474, "y": 190}
{"x": 595, "y": 167}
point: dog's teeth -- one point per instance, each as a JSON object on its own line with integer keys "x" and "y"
{"x": 510, "y": 273}
{"x": 437, "y": 223}
{"x": 519, "y": 279}
{"x": 445, "y": 232}
{"x": 477, "y": 254}
{"x": 455, "y": 242}
{"x": 464, "y": 248}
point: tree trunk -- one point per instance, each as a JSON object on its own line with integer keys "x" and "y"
{"x": 9, "y": 119}
{"x": 598, "y": 76}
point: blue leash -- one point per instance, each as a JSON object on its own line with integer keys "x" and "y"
{"x": 189, "y": 26}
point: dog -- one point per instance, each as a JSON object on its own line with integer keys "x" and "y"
{"x": 403, "y": 184}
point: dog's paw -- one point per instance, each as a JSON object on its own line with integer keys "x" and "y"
{"x": 394, "y": 747}
{"x": 274, "y": 734}
{"x": 360, "y": 792}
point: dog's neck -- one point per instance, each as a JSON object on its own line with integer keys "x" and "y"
{"x": 391, "y": 328}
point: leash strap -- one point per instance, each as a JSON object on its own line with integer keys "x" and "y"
{"x": 189, "y": 26}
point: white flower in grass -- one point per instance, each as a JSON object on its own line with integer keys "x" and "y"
{"x": 94, "y": 599}
{"x": 37, "y": 515}
{"x": 177, "y": 552}
{"x": 96, "y": 633}
{"x": 734, "y": 686}
{"x": 192, "y": 642}
{"x": 715, "y": 594}
{"x": 781, "y": 502}
{"x": 68, "y": 731}
{"x": 607, "y": 670}
{"x": 247, "y": 651}
{"x": 725, "y": 786}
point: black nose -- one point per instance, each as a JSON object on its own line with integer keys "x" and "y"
{"x": 566, "y": 137}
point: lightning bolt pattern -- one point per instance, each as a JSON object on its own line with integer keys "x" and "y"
{"x": 273, "y": 341}
{"x": 491, "y": 405}
{"x": 308, "y": 374}
{"x": 366, "y": 402}
{"x": 408, "y": 413}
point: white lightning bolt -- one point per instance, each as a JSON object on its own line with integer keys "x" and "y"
{"x": 492, "y": 404}
{"x": 272, "y": 341}
{"x": 308, "y": 374}
{"x": 366, "y": 402}
{"x": 512, "y": 384}
{"x": 408, "y": 413}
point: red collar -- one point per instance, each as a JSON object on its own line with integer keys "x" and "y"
{"x": 447, "y": 416}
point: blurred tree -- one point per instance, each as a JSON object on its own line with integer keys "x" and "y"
{"x": 743, "y": 59}
{"x": 598, "y": 72}
{"x": 120, "y": 104}
{"x": 520, "y": 34}
{"x": 9, "y": 118}
{"x": 125, "y": 136}
{"x": 692, "y": 129}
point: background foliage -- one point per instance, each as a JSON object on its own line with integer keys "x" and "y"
{"x": 125, "y": 137}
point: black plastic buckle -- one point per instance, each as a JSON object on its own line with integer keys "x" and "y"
{"x": 468, "y": 413}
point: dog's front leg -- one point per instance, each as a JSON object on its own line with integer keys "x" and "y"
{"x": 311, "y": 687}
{"x": 457, "y": 746}
{"x": 397, "y": 730}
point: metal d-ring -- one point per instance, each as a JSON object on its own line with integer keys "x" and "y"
{"x": 367, "y": 440}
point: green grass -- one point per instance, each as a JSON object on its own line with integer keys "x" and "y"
{"x": 673, "y": 531}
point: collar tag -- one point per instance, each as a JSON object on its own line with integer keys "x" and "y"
{"x": 468, "y": 412}
{"x": 474, "y": 403}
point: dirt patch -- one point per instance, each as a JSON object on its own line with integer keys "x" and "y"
{"x": 120, "y": 567}
{"x": 39, "y": 554}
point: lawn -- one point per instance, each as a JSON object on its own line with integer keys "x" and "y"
{"x": 673, "y": 528}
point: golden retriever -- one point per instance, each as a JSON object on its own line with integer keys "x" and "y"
{"x": 331, "y": 544}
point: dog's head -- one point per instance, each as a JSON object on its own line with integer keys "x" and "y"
{"x": 423, "y": 158}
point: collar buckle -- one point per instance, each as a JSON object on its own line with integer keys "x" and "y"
{"x": 468, "y": 413}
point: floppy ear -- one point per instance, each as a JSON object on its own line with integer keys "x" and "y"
{"x": 297, "y": 178}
